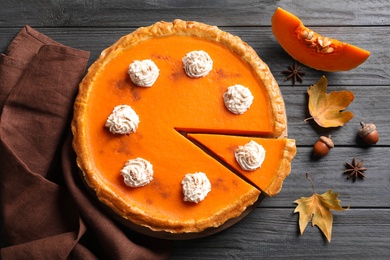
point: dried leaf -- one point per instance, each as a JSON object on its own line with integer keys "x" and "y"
{"x": 326, "y": 109}
{"x": 318, "y": 207}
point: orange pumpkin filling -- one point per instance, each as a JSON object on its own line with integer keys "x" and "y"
{"x": 265, "y": 177}
{"x": 167, "y": 106}
{"x": 175, "y": 105}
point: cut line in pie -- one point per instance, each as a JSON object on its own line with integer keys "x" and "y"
{"x": 267, "y": 178}
{"x": 177, "y": 103}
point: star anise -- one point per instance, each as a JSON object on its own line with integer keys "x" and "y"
{"x": 294, "y": 73}
{"x": 355, "y": 170}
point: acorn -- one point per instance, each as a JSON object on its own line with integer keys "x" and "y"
{"x": 368, "y": 133}
{"x": 322, "y": 146}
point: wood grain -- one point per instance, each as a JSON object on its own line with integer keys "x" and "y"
{"x": 374, "y": 72}
{"x": 370, "y": 105}
{"x": 328, "y": 173}
{"x": 274, "y": 234}
{"x": 124, "y": 13}
{"x": 271, "y": 230}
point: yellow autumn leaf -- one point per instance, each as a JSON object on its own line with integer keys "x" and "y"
{"x": 317, "y": 209}
{"x": 327, "y": 108}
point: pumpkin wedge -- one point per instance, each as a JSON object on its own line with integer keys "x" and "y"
{"x": 312, "y": 49}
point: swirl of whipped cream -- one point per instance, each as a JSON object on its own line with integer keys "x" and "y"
{"x": 196, "y": 186}
{"x": 197, "y": 64}
{"x": 137, "y": 172}
{"x": 122, "y": 120}
{"x": 143, "y": 73}
{"x": 250, "y": 156}
{"x": 237, "y": 99}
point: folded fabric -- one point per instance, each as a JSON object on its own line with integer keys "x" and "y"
{"x": 46, "y": 211}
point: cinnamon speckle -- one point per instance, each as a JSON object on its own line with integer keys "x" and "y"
{"x": 220, "y": 184}
{"x": 121, "y": 84}
{"x": 232, "y": 148}
{"x": 135, "y": 93}
{"x": 123, "y": 147}
{"x": 165, "y": 195}
{"x": 222, "y": 74}
{"x": 160, "y": 57}
{"x": 177, "y": 71}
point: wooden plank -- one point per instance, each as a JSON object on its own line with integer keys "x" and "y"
{"x": 271, "y": 230}
{"x": 328, "y": 173}
{"x": 374, "y": 72}
{"x": 274, "y": 234}
{"x": 124, "y": 13}
{"x": 370, "y": 105}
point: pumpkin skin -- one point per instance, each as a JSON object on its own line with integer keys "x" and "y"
{"x": 313, "y": 49}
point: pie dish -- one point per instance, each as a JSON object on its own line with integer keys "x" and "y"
{"x": 174, "y": 112}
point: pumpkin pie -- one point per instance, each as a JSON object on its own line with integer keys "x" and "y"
{"x": 182, "y": 187}
{"x": 274, "y": 168}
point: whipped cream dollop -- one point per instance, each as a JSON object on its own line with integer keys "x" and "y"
{"x": 196, "y": 186}
{"x": 250, "y": 156}
{"x": 238, "y": 99}
{"x": 143, "y": 73}
{"x": 122, "y": 120}
{"x": 137, "y": 172}
{"x": 197, "y": 64}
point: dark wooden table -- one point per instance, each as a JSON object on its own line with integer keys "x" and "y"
{"x": 271, "y": 230}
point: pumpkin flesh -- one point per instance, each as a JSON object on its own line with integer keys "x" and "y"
{"x": 313, "y": 49}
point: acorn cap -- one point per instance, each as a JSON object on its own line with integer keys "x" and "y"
{"x": 327, "y": 141}
{"x": 366, "y": 129}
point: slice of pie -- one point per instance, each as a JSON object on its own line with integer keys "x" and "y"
{"x": 274, "y": 168}
{"x": 142, "y": 96}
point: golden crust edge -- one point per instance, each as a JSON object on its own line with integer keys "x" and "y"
{"x": 284, "y": 169}
{"x": 138, "y": 217}
{"x": 177, "y": 27}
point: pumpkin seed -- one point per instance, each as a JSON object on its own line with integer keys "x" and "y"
{"x": 312, "y": 40}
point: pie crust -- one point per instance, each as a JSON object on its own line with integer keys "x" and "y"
{"x": 113, "y": 195}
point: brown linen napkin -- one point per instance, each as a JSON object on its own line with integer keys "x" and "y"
{"x": 45, "y": 210}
